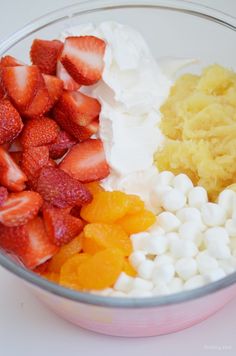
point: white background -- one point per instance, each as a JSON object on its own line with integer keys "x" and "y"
{"x": 28, "y": 329}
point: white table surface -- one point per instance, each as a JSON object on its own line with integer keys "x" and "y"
{"x": 27, "y": 328}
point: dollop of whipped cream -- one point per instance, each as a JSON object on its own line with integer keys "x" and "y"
{"x": 131, "y": 91}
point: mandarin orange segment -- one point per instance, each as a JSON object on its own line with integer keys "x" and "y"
{"x": 139, "y": 222}
{"x": 106, "y": 207}
{"x": 94, "y": 188}
{"x": 68, "y": 274}
{"x": 128, "y": 269}
{"x": 101, "y": 270}
{"x": 51, "y": 276}
{"x": 101, "y": 236}
{"x": 135, "y": 204}
{"x": 65, "y": 252}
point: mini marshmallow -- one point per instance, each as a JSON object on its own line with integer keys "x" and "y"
{"x": 205, "y": 262}
{"x": 105, "y": 292}
{"x": 139, "y": 240}
{"x": 213, "y": 214}
{"x": 230, "y": 226}
{"x": 182, "y": 183}
{"x": 189, "y": 214}
{"x": 214, "y": 274}
{"x": 218, "y": 249}
{"x": 191, "y": 231}
{"x": 183, "y": 248}
{"x": 140, "y": 293}
{"x": 195, "y": 282}
{"x": 176, "y": 285}
{"x": 164, "y": 272}
{"x": 155, "y": 229}
{"x": 172, "y": 236}
{"x": 173, "y": 200}
{"x": 186, "y": 267}
{"x": 228, "y": 265}
{"x": 140, "y": 283}
{"x": 158, "y": 194}
{"x": 117, "y": 293}
{"x": 124, "y": 283}
{"x": 226, "y": 201}
{"x": 163, "y": 259}
{"x": 216, "y": 233}
{"x": 197, "y": 197}
{"x": 165, "y": 178}
{"x": 136, "y": 258}
{"x": 156, "y": 245}
{"x": 168, "y": 221}
{"x": 161, "y": 288}
{"x": 145, "y": 269}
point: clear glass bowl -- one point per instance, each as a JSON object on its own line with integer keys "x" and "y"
{"x": 172, "y": 28}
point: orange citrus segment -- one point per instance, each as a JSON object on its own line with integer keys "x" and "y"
{"x": 128, "y": 269}
{"x": 51, "y": 276}
{"x": 135, "y": 204}
{"x": 68, "y": 274}
{"x": 139, "y": 222}
{"x": 94, "y": 188}
{"x": 101, "y": 270}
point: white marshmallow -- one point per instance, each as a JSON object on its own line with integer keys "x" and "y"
{"x": 105, "y": 292}
{"x": 164, "y": 272}
{"x": 172, "y": 236}
{"x": 156, "y": 245}
{"x": 158, "y": 194}
{"x": 195, "y": 282}
{"x": 173, "y": 200}
{"x": 213, "y": 214}
{"x": 155, "y": 229}
{"x": 218, "y": 249}
{"x": 186, "y": 267}
{"x": 140, "y": 293}
{"x": 117, "y": 293}
{"x": 165, "y": 178}
{"x": 228, "y": 265}
{"x": 136, "y": 258}
{"x": 191, "y": 231}
{"x": 168, "y": 221}
{"x": 214, "y": 274}
{"x": 140, "y": 283}
{"x": 216, "y": 233}
{"x": 183, "y": 183}
{"x": 183, "y": 248}
{"x": 189, "y": 214}
{"x": 230, "y": 226}
{"x": 161, "y": 288}
{"x": 145, "y": 269}
{"x": 205, "y": 262}
{"x": 163, "y": 259}
{"x": 197, "y": 197}
{"x": 176, "y": 285}
{"x": 226, "y": 201}
{"x": 124, "y": 283}
{"x": 139, "y": 240}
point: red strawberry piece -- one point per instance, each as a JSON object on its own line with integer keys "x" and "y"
{"x": 45, "y": 54}
{"x": 63, "y": 142}
{"x": 10, "y": 122}
{"x": 54, "y": 86}
{"x": 68, "y": 82}
{"x": 33, "y": 160}
{"x": 80, "y": 108}
{"x": 9, "y": 61}
{"x": 86, "y": 161}
{"x": 42, "y": 268}
{"x": 82, "y": 57}
{"x": 14, "y": 239}
{"x": 61, "y": 227}
{"x": 11, "y": 176}
{"x": 85, "y": 132}
{"x": 51, "y": 163}
{"x": 16, "y": 156}
{"x": 19, "y": 208}
{"x": 3, "y": 195}
{"x": 61, "y": 190}
{"x": 21, "y": 84}
{"x": 66, "y": 123}
{"x": 15, "y": 145}
{"x": 75, "y": 211}
{"x": 39, "y": 132}
{"x": 2, "y": 91}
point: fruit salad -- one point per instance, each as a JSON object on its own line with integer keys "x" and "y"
{"x": 115, "y": 178}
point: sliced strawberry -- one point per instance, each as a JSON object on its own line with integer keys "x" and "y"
{"x": 61, "y": 190}
{"x": 2, "y": 91}
{"x": 54, "y": 86}
{"x": 39, "y": 132}
{"x": 11, "y": 176}
{"x": 16, "y": 145}
{"x": 14, "y": 239}
{"x": 21, "y": 84}
{"x": 68, "y": 82}
{"x": 3, "y": 195}
{"x": 63, "y": 142}
{"x": 86, "y": 161}
{"x": 10, "y": 122}
{"x": 45, "y": 54}
{"x": 9, "y": 61}
{"x": 86, "y": 132}
{"x": 75, "y": 211}
{"x": 19, "y": 208}
{"x": 16, "y": 156}
{"x": 80, "y": 108}
{"x": 33, "y": 160}
{"x": 82, "y": 57}
{"x": 51, "y": 163}
{"x": 61, "y": 227}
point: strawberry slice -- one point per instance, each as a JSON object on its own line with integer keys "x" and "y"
{"x": 63, "y": 142}
{"x": 82, "y": 57}
{"x": 30, "y": 242}
{"x": 21, "y": 84}
{"x": 2, "y": 91}
{"x": 10, "y": 122}
{"x": 16, "y": 156}
{"x": 61, "y": 190}
{"x": 54, "y": 86}
{"x": 86, "y": 132}
{"x": 11, "y": 176}
{"x": 80, "y": 108}
{"x": 45, "y": 53}
{"x": 86, "y": 161}
{"x": 61, "y": 227}
{"x": 3, "y": 195}
{"x": 19, "y": 208}
{"x": 9, "y": 61}
{"x": 39, "y": 132}
{"x": 32, "y": 161}
{"x": 68, "y": 82}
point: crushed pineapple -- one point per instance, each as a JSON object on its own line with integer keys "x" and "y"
{"x": 199, "y": 120}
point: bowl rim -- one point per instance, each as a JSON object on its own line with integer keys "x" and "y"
{"x": 89, "y": 298}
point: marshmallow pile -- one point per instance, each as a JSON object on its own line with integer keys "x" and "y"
{"x": 192, "y": 243}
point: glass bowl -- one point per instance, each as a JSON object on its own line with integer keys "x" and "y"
{"x": 171, "y": 28}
